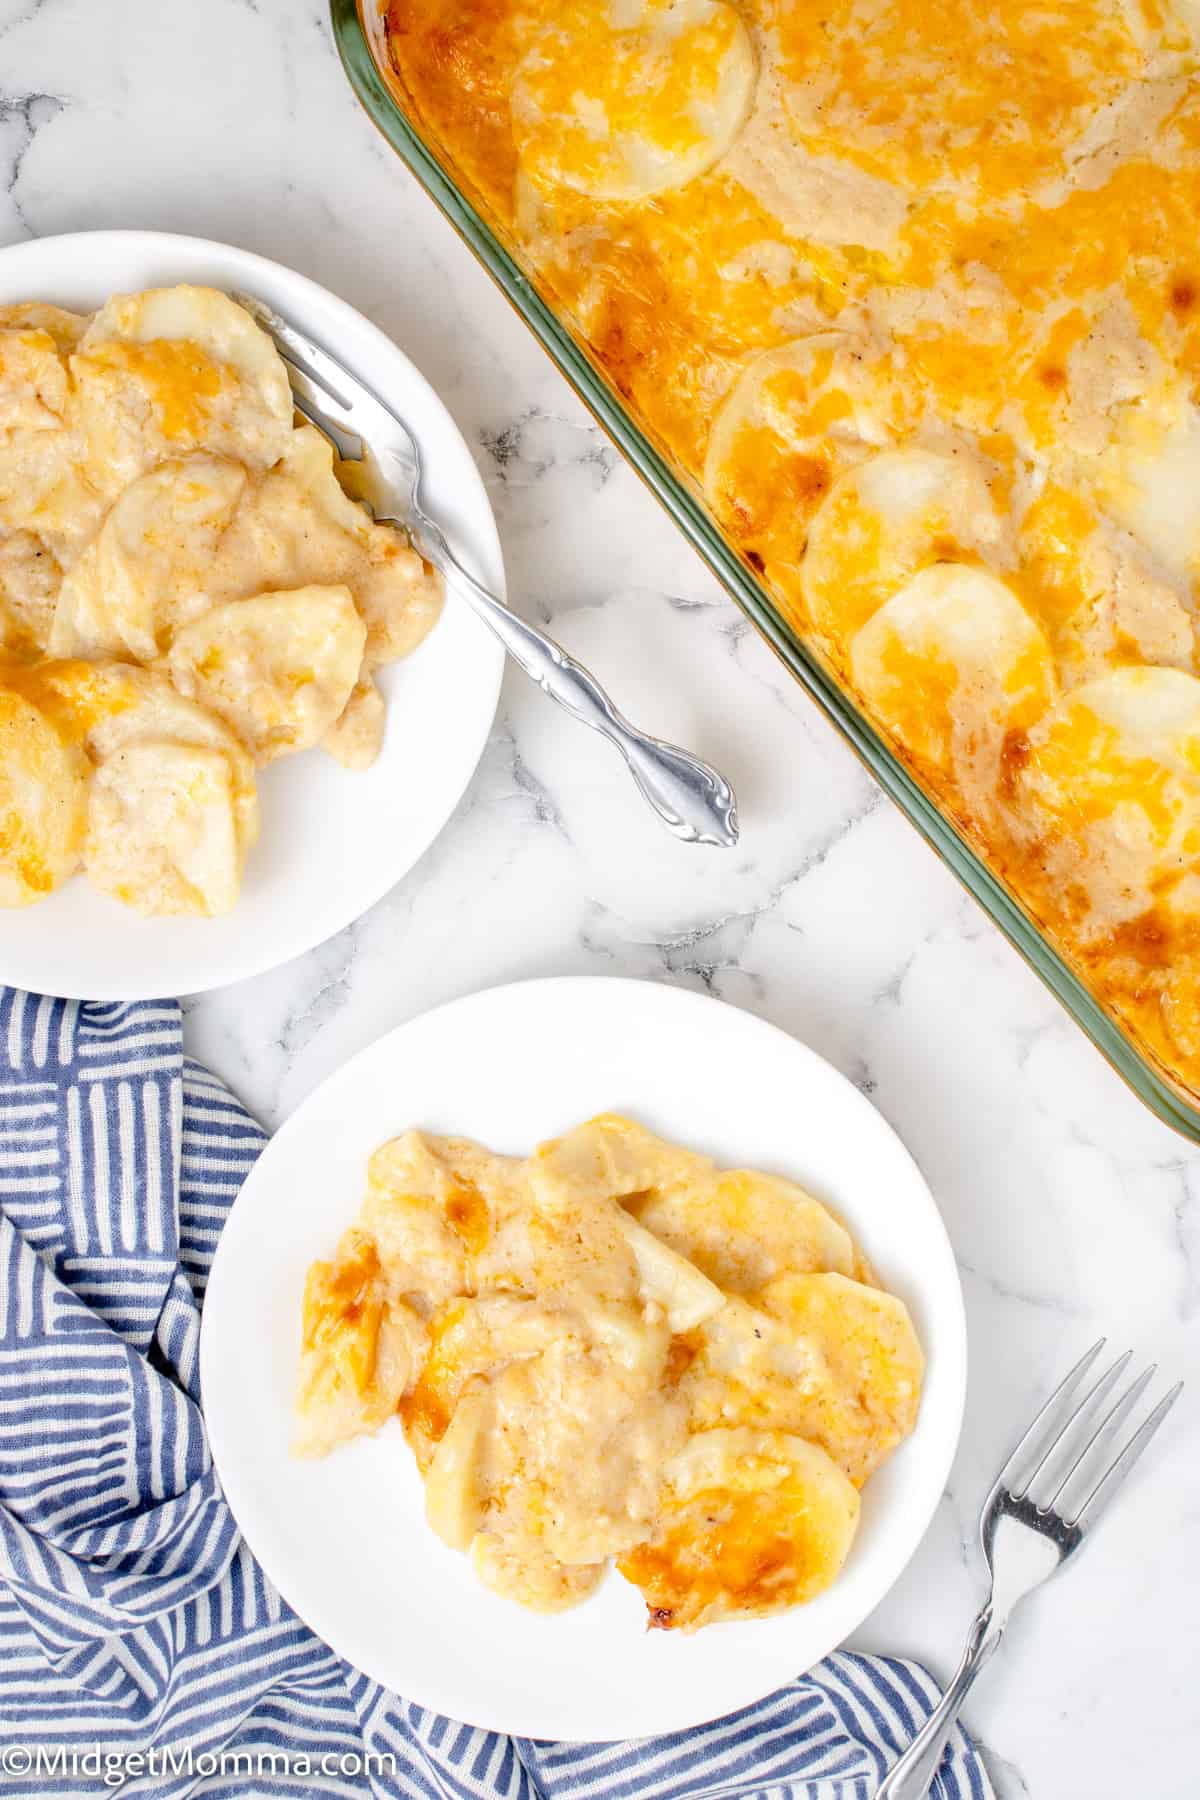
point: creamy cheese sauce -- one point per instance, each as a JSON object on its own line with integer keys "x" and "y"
{"x": 953, "y": 228}
{"x": 603, "y": 1350}
{"x": 174, "y": 547}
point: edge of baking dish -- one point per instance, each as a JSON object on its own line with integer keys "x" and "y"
{"x": 383, "y": 107}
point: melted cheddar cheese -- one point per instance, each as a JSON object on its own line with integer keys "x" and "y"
{"x": 186, "y": 590}
{"x": 957, "y": 233}
{"x": 612, "y": 1349}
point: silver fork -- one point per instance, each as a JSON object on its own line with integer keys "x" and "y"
{"x": 693, "y": 799}
{"x": 1040, "y": 1510}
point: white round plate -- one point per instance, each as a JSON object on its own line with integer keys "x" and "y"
{"x": 345, "y": 1539}
{"x": 332, "y": 842}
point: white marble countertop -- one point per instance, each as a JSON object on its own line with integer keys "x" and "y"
{"x": 1072, "y": 1210}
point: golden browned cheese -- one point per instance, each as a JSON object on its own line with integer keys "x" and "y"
{"x": 924, "y": 295}
{"x": 612, "y": 1349}
{"x": 726, "y": 1550}
{"x": 343, "y": 1306}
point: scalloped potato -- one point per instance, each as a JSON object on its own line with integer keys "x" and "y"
{"x": 146, "y": 570}
{"x": 355, "y": 737}
{"x": 278, "y": 668}
{"x": 956, "y": 668}
{"x": 171, "y": 804}
{"x": 66, "y": 328}
{"x": 751, "y": 1522}
{"x": 186, "y": 590}
{"x": 29, "y": 582}
{"x": 44, "y": 490}
{"x": 110, "y": 706}
{"x": 162, "y": 829}
{"x": 42, "y": 802}
{"x": 885, "y": 520}
{"x": 171, "y": 370}
{"x": 664, "y": 98}
{"x": 297, "y": 527}
{"x": 613, "y": 1349}
{"x": 930, "y": 296}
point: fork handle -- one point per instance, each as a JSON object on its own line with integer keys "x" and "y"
{"x": 693, "y": 799}
{"x": 912, "y": 1777}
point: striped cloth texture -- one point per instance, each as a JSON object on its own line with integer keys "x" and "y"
{"x": 132, "y": 1616}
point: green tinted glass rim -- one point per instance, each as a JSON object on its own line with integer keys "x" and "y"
{"x": 692, "y": 519}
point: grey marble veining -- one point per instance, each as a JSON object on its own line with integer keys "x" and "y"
{"x": 1072, "y": 1210}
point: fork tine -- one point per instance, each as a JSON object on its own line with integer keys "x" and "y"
{"x": 1065, "y": 1388}
{"x": 339, "y": 443}
{"x": 1116, "y": 1411}
{"x": 297, "y": 349}
{"x": 311, "y": 398}
{"x": 1113, "y": 1477}
{"x": 1078, "y": 1416}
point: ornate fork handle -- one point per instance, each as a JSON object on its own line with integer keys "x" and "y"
{"x": 1041, "y": 1508}
{"x": 692, "y": 798}
{"x": 912, "y": 1777}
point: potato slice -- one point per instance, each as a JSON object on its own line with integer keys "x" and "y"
{"x": 145, "y": 706}
{"x": 42, "y": 486}
{"x": 574, "y": 1464}
{"x": 1100, "y": 596}
{"x": 669, "y": 1280}
{"x": 470, "y": 1339}
{"x": 743, "y": 1367}
{"x": 30, "y": 578}
{"x": 751, "y": 1522}
{"x": 623, "y": 106}
{"x": 116, "y": 706}
{"x": 296, "y": 527}
{"x": 359, "y": 1352}
{"x": 278, "y": 668}
{"x": 430, "y": 1206}
{"x": 610, "y": 1158}
{"x": 66, "y": 328}
{"x": 799, "y": 1359}
{"x": 43, "y": 490}
{"x": 953, "y": 664}
{"x": 33, "y": 381}
{"x": 162, "y": 830}
{"x": 1149, "y": 477}
{"x": 113, "y": 705}
{"x": 795, "y": 419}
{"x": 919, "y": 96}
{"x": 42, "y": 802}
{"x": 1112, "y": 782}
{"x": 874, "y": 1362}
{"x": 455, "y": 1489}
{"x": 172, "y": 370}
{"x": 356, "y": 736}
{"x": 737, "y": 1227}
{"x": 145, "y": 572}
{"x": 742, "y": 1228}
{"x": 533, "y": 1578}
{"x": 885, "y": 520}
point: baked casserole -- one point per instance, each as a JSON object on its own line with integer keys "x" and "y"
{"x": 912, "y": 292}
{"x": 187, "y": 593}
{"x": 613, "y": 1349}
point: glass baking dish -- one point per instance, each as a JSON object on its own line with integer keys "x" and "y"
{"x": 359, "y": 32}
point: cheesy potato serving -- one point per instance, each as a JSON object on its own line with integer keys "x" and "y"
{"x": 186, "y": 594}
{"x": 613, "y": 1349}
{"x": 910, "y": 290}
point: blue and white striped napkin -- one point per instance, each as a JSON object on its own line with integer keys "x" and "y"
{"x": 134, "y": 1622}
